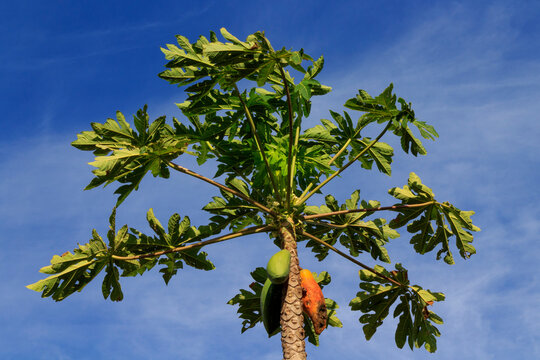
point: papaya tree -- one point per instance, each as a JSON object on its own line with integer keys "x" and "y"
{"x": 245, "y": 107}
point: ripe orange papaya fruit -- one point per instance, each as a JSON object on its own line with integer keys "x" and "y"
{"x": 313, "y": 301}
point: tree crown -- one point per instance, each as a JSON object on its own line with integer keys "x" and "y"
{"x": 245, "y": 108}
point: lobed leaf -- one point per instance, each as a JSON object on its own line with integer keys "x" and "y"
{"x": 126, "y": 156}
{"x": 383, "y": 108}
{"x": 111, "y": 284}
{"x": 379, "y": 295}
{"x": 71, "y": 272}
{"x": 248, "y": 301}
{"x": 432, "y": 223}
{"x": 380, "y": 153}
{"x": 350, "y": 229}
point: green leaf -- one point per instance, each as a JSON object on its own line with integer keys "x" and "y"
{"x": 248, "y": 301}
{"x": 382, "y": 107}
{"x": 197, "y": 259}
{"x": 180, "y": 232}
{"x": 344, "y": 124}
{"x": 427, "y": 131}
{"x": 314, "y": 69}
{"x": 239, "y": 185}
{"x": 303, "y": 90}
{"x": 126, "y": 156}
{"x": 379, "y": 295}
{"x": 174, "y": 229}
{"x": 410, "y": 143}
{"x": 193, "y": 257}
{"x": 322, "y": 278}
{"x": 380, "y": 153}
{"x": 376, "y": 299}
{"x": 230, "y": 37}
{"x": 459, "y": 222}
{"x": 185, "y": 44}
{"x": 319, "y": 133}
{"x": 111, "y": 284}
{"x": 233, "y": 211}
{"x": 265, "y": 72}
{"x": 171, "y": 266}
{"x": 156, "y": 226}
{"x": 433, "y": 223}
{"x": 112, "y": 229}
{"x": 72, "y": 271}
{"x": 416, "y": 321}
{"x": 350, "y": 230}
{"x": 378, "y": 305}
{"x": 210, "y": 103}
{"x": 405, "y": 324}
{"x": 216, "y": 50}
{"x": 309, "y": 330}
{"x": 331, "y": 307}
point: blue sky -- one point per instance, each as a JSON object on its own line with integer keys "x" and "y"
{"x": 470, "y": 68}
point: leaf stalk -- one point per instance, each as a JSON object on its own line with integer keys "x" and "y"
{"x": 344, "y": 212}
{"x": 259, "y": 143}
{"x": 370, "y": 269}
{"x": 222, "y": 187}
{"x": 328, "y": 179}
{"x": 248, "y": 231}
{"x": 290, "y": 158}
{"x": 350, "y": 258}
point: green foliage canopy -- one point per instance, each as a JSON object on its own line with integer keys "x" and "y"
{"x": 268, "y": 167}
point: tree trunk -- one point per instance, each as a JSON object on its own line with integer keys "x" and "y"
{"x": 292, "y": 330}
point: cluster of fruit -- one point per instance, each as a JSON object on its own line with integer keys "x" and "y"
{"x": 272, "y": 294}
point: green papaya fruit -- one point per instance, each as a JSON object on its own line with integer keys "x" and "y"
{"x": 271, "y": 306}
{"x": 278, "y": 267}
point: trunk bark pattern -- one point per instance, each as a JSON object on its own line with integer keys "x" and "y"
{"x": 292, "y": 319}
